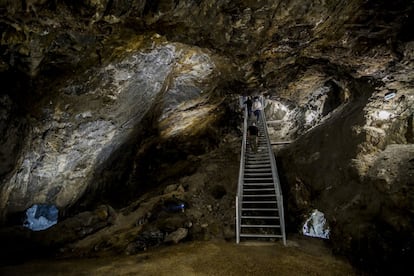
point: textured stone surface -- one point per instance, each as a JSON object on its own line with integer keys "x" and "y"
{"x": 82, "y": 128}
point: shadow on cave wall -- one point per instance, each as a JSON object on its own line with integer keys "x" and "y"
{"x": 316, "y": 172}
{"x": 146, "y": 161}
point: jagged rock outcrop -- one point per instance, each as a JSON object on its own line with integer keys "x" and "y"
{"x": 87, "y": 125}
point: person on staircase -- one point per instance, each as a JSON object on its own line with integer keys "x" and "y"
{"x": 253, "y": 136}
{"x": 249, "y": 104}
{"x": 257, "y": 106}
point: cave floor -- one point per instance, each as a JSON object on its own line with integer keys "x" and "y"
{"x": 301, "y": 256}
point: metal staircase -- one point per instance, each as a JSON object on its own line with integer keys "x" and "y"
{"x": 259, "y": 201}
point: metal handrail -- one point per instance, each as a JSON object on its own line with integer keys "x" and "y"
{"x": 275, "y": 175}
{"x": 241, "y": 176}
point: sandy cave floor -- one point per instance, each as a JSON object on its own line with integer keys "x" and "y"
{"x": 301, "y": 256}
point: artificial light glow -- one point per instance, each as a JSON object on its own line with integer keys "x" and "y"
{"x": 189, "y": 120}
{"x": 316, "y": 226}
{"x": 384, "y": 115}
{"x": 41, "y": 216}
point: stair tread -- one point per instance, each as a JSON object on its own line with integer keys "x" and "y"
{"x": 259, "y": 209}
{"x": 260, "y": 236}
{"x": 272, "y": 195}
{"x": 260, "y": 226}
{"x": 260, "y": 217}
{"x": 258, "y": 190}
{"x": 258, "y": 157}
{"x": 259, "y": 184}
{"x": 254, "y": 174}
{"x": 253, "y": 181}
{"x": 249, "y": 179}
{"x": 264, "y": 201}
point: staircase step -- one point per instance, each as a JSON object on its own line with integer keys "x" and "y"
{"x": 263, "y": 160}
{"x": 259, "y": 209}
{"x": 259, "y": 236}
{"x": 272, "y": 195}
{"x": 260, "y": 226}
{"x": 254, "y": 165}
{"x": 264, "y": 201}
{"x": 258, "y": 190}
{"x": 259, "y": 217}
{"x": 258, "y": 179}
{"x": 257, "y": 162}
{"x": 259, "y": 197}
{"x": 258, "y": 170}
{"x": 262, "y": 154}
{"x": 268, "y": 183}
{"x": 256, "y": 184}
{"x": 258, "y": 173}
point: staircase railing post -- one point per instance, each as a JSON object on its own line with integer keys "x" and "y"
{"x": 237, "y": 220}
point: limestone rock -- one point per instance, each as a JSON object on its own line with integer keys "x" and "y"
{"x": 177, "y": 235}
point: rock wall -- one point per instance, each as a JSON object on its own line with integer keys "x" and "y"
{"x": 80, "y": 131}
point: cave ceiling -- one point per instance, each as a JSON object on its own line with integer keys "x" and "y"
{"x": 264, "y": 38}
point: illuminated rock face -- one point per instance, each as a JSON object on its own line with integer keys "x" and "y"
{"x": 94, "y": 117}
{"x": 78, "y": 132}
{"x": 104, "y": 96}
{"x": 316, "y": 226}
{"x": 41, "y": 217}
